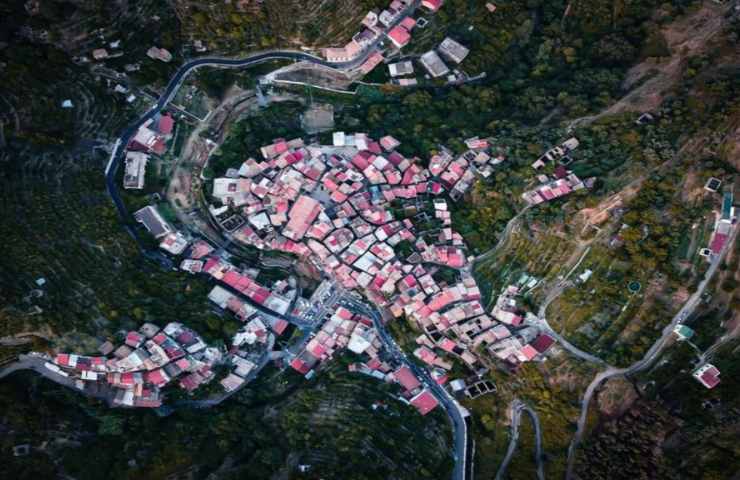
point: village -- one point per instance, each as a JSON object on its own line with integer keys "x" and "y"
{"x": 361, "y": 217}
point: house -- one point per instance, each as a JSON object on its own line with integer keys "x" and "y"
{"x": 433, "y": 64}
{"x": 100, "y": 54}
{"x": 301, "y": 216}
{"x": 406, "y": 378}
{"x": 570, "y": 144}
{"x": 452, "y": 50}
{"x": 712, "y": 185}
{"x": 683, "y": 332}
{"x": 372, "y": 61}
{"x": 232, "y": 382}
{"x": 157, "y": 53}
{"x": 424, "y": 402}
{"x": 174, "y": 243}
{"x": 153, "y": 221}
{"x": 399, "y": 36}
{"x": 135, "y": 170}
{"x": 542, "y": 343}
{"x": 707, "y": 375}
{"x": 432, "y": 5}
{"x": 401, "y": 68}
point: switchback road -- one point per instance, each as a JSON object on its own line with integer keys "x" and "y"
{"x": 517, "y": 407}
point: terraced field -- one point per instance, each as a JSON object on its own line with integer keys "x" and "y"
{"x": 246, "y": 25}
{"x": 67, "y": 231}
{"x": 282, "y": 422}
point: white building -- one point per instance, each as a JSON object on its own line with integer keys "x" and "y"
{"x": 135, "y": 172}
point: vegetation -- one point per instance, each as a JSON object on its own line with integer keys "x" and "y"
{"x": 344, "y": 425}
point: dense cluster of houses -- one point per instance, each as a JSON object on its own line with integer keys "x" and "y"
{"x": 395, "y": 24}
{"x": 392, "y": 22}
{"x": 344, "y": 329}
{"x": 332, "y": 206}
{"x": 148, "y": 360}
{"x": 562, "y": 182}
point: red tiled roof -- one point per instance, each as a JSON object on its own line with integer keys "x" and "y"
{"x": 718, "y": 242}
{"x": 300, "y": 366}
{"x": 166, "y": 123}
{"x": 406, "y": 378}
{"x": 710, "y": 379}
{"x": 399, "y": 35}
{"x": 542, "y": 343}
{"x": 280, "y": 326}
{"x": 425, "y": 402}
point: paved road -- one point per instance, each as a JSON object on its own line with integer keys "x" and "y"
{"x": 541, "y": 322}
{"x": 517, "y": 407}
{"x": 454, "y": 410}
{"x": 504, "y": 236}
{"x": 650, "y": 356}
{"x": 36, "y": 363}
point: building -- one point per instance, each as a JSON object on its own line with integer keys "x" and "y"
{"x": 707, "y": 375}
{"x": 135, "y": 172}
{"x": 432, "y": 5}
{"x": 372, "y": 61}
{"x": 301, "y": 216}
{"x": 100, "y": 54}
{"x": 713, "y": 184}
{"x": 433, "y": 64}
{"x": 399, "y": 36}
{"x": 683, "y": 332}
{"x": 406, "y": 378}
{"x": 157, "y": 53}
{"x": 452, "y": 50}
{"x": 153, "y": 221}
{"x": 401, "y": 68}
{"x": 724, "y": 224}
{"x": 174, "y": 243}
{"x": 424, "y": 402}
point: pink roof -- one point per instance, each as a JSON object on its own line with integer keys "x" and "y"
{"x": 157, "y": 377}
{"x": 166, "y": 123}
{"x": 374, "y": 363}
{"x": 408, "y": 23}
{"x": 300, "y": 366}
{"x": 134, "y": 339}
{"x": 432, "y": 5}
{"x": 303, "y": 213}
{"x": 344, "y": 314}
{"x": 528, "y": 351}
{"x": 447, "y": 345}
{"x": 406, "y": 378}
{"x": 373, "y": 61}
{"x": 280, "y": 326}
{"x": 424, "y": 402}
{"x": 718, "y": 242}
{"x": 542, "y": 343}
{"x": 710, "y": 378}
{"x": 399, "y": 36}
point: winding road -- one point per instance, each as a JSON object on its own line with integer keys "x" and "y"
{"x": 517, "y": 407}
{"x": 650, "y": 356}
{"x": 454, "y": 410}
